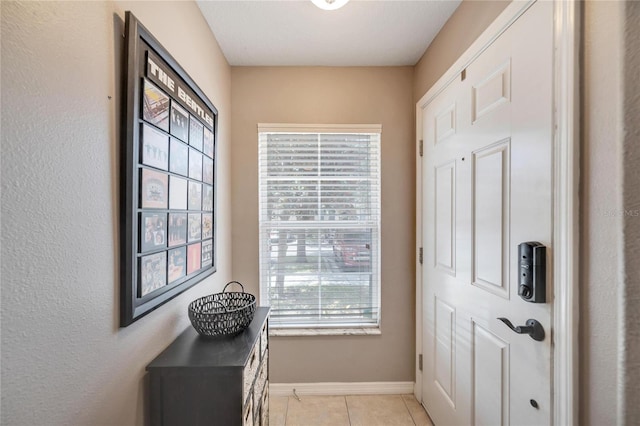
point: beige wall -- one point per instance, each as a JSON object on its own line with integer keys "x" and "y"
{"x": 64, "y": 358}
{"x": 601, "y": 205}
{"x": 469, "y": 20}
{"x": 630, "y": 346}
{"x": 334, "y": 96}
{"x": 610, "y": 374}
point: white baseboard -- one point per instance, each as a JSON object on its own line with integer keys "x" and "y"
{"x": 348, "y": 388}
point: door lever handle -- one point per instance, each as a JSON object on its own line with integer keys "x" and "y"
{"x": 533, "y": 328}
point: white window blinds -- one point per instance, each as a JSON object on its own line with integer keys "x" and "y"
{"x": 320, "y": 225}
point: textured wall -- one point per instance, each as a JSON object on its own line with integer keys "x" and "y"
{"x": 334, "y": 96}
{"x": 64, "y": 358}
{"x": 630, "y": 300}
{"x": 469, "y": 20}
{"x": 600, "y": 212}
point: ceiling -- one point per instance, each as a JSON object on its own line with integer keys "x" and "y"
{"x": 296, "y": 32}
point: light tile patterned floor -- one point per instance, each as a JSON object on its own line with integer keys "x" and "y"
{"x": 357, "y": 410}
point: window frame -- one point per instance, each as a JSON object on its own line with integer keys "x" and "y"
{"x": 302, "y": 329}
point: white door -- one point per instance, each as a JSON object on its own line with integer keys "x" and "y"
{"x": 487, "y": 187}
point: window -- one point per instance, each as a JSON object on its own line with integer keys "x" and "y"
{"x": 320, "y": 225}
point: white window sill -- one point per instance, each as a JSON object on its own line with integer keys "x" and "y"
{"x": 354, "y": 331}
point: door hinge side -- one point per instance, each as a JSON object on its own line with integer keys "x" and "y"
{"x": 420, "y": 149}
{"x": 421, "y": 255}
{"x": 420, "y": 362}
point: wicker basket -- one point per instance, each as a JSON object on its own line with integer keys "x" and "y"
{"x": 222, "y": 314}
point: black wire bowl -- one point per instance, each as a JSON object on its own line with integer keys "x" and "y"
{"x": 222, "y": 314}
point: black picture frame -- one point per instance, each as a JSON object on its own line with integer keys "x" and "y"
{"x": 165, "y": 118}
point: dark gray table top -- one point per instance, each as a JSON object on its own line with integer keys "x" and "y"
{"x": 192, "y": 350}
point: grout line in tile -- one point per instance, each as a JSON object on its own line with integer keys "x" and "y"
{"x": 407, "y": 407}
{"x": 346, "y": 404}
{"x": 286, "y": 412}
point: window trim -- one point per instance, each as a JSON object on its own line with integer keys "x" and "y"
{"x": 328, "y": 329}
{"x": 373, "y": 330}
{"x": 319, "y": 128}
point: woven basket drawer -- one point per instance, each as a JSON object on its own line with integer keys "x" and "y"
{"x": 247, "y": 418}
{"x": 261, "y": 380}
{"x": 264, "y": 337}
{"x": 264, "y": 407}
{"x": 250, "y": 370}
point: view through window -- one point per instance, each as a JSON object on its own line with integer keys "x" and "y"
{"x": 320, "y": 225}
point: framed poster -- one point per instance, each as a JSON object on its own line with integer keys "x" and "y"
{"x": 195, "y": 164}
{"x": 155, "y": 106}
{"x": 178, "y": 157}
{"x": 155, "y": 148}
{"x": 196, "y": 133}
{"x": 177, "y": 229}
{"x": 207, "y": 171}
{"x": 207, "y": 198}
{"x": 179, "y": 121}
{"x": 195, "y": 196}
{"x": 194, "y": 259}
{"x": 154, "y": 189}
{"x": 177, "y": 193}
{"x": 153, "y": 233}
{"x": 167, "y": 177}
{"x": 207, "y": 225}
{"x": 152, "y": 272}
{"x": 177, "y": 264}
{"x": 207, "y": 251}
{"x": 194, "y": 227}
{"x": 208, "y": 142}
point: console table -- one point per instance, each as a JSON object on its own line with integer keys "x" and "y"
{"x": 213, "y": 381}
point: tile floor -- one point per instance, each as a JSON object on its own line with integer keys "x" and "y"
{"x": 361, "y": 410}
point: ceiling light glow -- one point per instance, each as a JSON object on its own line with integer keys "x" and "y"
{"x": 329, "y": 4}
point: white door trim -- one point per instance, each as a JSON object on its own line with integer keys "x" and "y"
{"x": 566, "y": 213}
{"x": 565, "y": 183}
